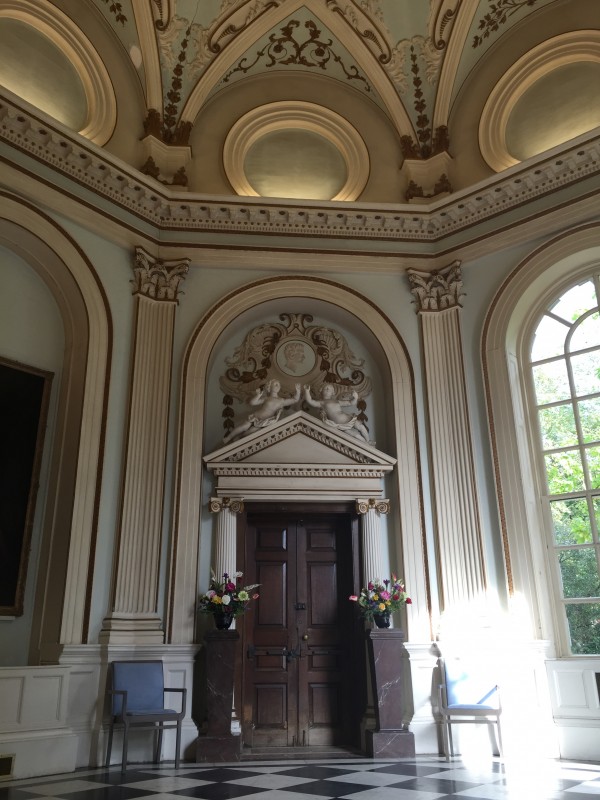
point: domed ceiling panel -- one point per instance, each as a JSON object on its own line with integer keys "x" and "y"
{"x": 558, "y": 107}
{"x": 33, "y": 67}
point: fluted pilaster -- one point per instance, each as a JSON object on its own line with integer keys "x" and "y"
{"x": 134, "y": 616}
{"x": 456, "y": 506}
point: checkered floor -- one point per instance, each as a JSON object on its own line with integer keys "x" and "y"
{"x": 422, "y": 778}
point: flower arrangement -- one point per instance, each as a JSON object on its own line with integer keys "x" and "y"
{"x": 381, "y": 597}
{"x": 227, "y": 596}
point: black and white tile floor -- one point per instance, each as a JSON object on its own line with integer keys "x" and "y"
{"x": 421, "y": 778}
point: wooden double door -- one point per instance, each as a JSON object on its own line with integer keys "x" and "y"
{"x": 303, "y": 667}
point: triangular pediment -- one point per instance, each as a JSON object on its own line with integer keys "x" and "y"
{"x": 299, "y": 456}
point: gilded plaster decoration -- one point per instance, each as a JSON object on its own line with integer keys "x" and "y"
{"x": 439, "y": 290}
{"x": 158, "y": 279}
{"x": 499, "y": 13}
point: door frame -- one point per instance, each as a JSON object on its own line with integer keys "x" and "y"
{"x": 357, "y": 668}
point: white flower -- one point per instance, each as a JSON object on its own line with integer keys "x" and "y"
{"x": 226, "y": 600}
{"x": 238, "y": 574}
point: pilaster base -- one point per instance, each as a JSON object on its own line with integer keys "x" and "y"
{"x": 134, "y": 629}
{"x": 390, "y": 744}
{"x": 219, "y": 748}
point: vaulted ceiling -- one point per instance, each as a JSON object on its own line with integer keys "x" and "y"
{"x": 378, "y": 100}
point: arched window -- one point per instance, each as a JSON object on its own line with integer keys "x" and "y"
{"x": 565, "y": 386}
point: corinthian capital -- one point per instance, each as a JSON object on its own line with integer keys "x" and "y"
{"x": 157, "y": 279}
{"x": 373, "y": 503}
{"x": 436, "y": 291}
{"x": 234, "y": 504}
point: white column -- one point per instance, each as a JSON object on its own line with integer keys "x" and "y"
{"x": 370, "y": 511}
{"x": 455, "y": 506}
{"x": 225, "y": 546}
{"x": 134, "y": 617}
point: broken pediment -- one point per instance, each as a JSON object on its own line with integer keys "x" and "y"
{"x": 299, "y": 457}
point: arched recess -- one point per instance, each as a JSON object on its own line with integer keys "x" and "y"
{"x": 69, "y": 527}
{"x": 518, "y": 303}
{"x": 188, "y": 499}
{"x": 339, "y": 28}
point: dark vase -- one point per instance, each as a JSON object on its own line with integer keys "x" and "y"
{"x": 223, "y": 620}
{"x": 382, "y": 620}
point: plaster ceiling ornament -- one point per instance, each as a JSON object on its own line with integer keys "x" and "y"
{"x": 276, "y": 359}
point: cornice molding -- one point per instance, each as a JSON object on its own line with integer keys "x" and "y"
{"x": 72, "y": 157}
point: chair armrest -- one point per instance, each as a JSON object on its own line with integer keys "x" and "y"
{"x": 182, "y": 692}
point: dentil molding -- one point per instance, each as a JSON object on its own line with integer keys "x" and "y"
{"x": 70, "y": 155}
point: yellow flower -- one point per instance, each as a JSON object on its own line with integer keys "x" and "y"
{"x": 382, "y": 606}
{"x": 216, "y": 599}
{"x": 375, "y": 597}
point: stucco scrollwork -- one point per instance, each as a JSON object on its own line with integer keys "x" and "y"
{"x": 266, "y": 369}
{"x": 381, "y": 506}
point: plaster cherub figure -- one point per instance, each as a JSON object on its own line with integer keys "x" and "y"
{"x": 332, "y": 412}
{"x": 270, "y": 405}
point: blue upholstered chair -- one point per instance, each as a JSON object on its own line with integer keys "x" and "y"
{"x": 137, "y": 697}
{"x": 466, "y": 694}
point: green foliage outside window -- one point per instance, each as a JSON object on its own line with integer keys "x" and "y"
{"x": 567, "y": 390}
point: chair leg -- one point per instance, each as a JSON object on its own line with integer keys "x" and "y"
{"x": 109, "y": 745}
{"x": 445, "y": 738}
{"x": 177, "y": 744}
{"x": 124, "y": 756}
{"x": 158, "y": 743}
{"x": 500, "y": 749}
{"x": 450, "y": 740}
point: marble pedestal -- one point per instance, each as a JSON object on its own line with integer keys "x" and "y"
{"x": 388, "y": 662}
{"x": 219, "y": 743}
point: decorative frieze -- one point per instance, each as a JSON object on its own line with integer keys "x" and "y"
{"x": 439, "y": 290}
{"x": 89, "y": 166}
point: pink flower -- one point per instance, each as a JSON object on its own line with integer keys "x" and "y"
{"x": 353, "y": 597}
{"x": 371, "y": 585}
{"x": 408, "y": 601}
{"x": 255, "y": 596}
{"x": 230, "y": 586}
{"x": 384, "y": 595}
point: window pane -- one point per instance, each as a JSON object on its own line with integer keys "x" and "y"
{"x": 558, "y": 426}
{"x": 587, "y": 334}
{"x": 592, "y": 455}
{"x": 549, "y": 339}
{"x": 576, "y": 302}
{"x": 584, "y": 627}
{"x": 571, "y": 521}
{"x": 589, "y": 415}
{"x": 597, "y": 512}
{"x": 586, "y": 373}
{"x": 579, "y": 571}
{"x": 564, "y": 472}
{"x": 551, "y": 382}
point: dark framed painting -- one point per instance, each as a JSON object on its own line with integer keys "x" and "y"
{"x": 24, "y": 397}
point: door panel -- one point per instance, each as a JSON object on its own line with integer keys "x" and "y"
{"x": 300, "y": 636}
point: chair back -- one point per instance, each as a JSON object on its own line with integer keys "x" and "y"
{"x": 468, "y": 684}
{"x": 144, "y": 683}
